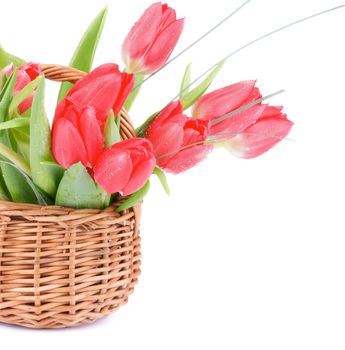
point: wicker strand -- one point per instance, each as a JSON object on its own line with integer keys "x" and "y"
{"x": 64, "y": 267}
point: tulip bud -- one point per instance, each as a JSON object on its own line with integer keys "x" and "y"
{"x": 152, "y": 39}
{"x": 25, "y": 75}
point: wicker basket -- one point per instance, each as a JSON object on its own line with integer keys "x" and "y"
{"x": 63, "y": 267}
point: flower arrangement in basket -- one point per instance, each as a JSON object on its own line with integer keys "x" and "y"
{"x": 71, "y": 194}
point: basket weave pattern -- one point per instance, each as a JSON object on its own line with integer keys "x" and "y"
{"x": 63, "y": 267}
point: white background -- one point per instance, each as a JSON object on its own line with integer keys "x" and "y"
{"x": 245, "y": 254}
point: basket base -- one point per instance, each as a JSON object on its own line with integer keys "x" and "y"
{"x": 63, "y": 267}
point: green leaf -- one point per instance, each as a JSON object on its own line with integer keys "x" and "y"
{"x": 3, "y": 80}
{"x": 15, "y": 123}
{"x": 55, "y": 169}
{"x": 15, "y": 158}
{"x": 78, "y": 190}
{"x": 40, "y": 143}
{"x": 16, "y": 184}
{"x": 111, "y": 131}
{"x": 162, "y": 178}
{"x": 185, "y": 81}
{"x": 135, "y": 198}
{"x": 133, "y": 95}
{"x": 192, "y": 96}
{"x": 6, "y": 58}
{"x": 22, "y": 95}
{"x": 4, "y": 195}
{"x": 20, "y": 185}
{"x": 6, "y": 97}
{"x": 85, "y": 52}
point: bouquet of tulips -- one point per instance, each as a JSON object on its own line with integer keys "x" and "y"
{"x": 82, "y": 161}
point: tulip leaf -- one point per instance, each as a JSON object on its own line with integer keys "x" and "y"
{"x": 192, "y": 96}
{"x": 6, "y": 97}
{"x": 6, "y": 58}
{"x": 15, "y": 123}
{"x": 134, "y": 198}
{"x": 78, "y": 190}
{"x": 40, "y": 143}
{"x": 15, "y": 158}
{"x": 22, "y": 95}
{"x": 4, "y": 195}
{"x": 133, "y": 95}
{"x": 55, "y": 169}
{"x": 111, "y": 131}
{"x": 3, "y": 80}
{"x": 85, "y": 52}
{"x": 162, "y": 178}
{"x": 186, "y": 81}
{"x": 19, "y": 184}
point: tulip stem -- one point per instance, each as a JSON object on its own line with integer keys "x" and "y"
{"x": 215, "y": 141}
{"x": 243, "y": 108}
{"x": 203, "y": 36}
{"x": 259, "y": 39}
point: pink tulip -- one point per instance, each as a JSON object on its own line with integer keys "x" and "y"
{"x": 77, "y": 135}
{"x": 25, "y": 75}
{"x": 104, "y": 88}
{"x": 80, "y": 117}
{"x": 269, "y": 129}
{"x": 225, "y": 100}
{"x": 248, "y": 133}
{"x": 178, "y": 141}
{"x": 125, "y": 166}
{"x": 152, "y": 39}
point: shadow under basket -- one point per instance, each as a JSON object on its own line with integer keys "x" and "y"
{"x": 63, "y": 267}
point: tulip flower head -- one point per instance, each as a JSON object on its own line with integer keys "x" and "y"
{"x": 152, "y": 39}
{"x": 269, "y": 129}
{"x": 25, "y": 75}
{"x": 179, "y": 142}
{"x": 80, "y": 117}
{"x": 125, "y": 166}
{"x": 249, "y": 133}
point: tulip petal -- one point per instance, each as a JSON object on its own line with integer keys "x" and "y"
{"x": 161, "y": 49}
{"x": 222, "y": 101}
{"x": 113, "y": 169}
{"x": 260, "y": 137}
{"x": 142, "y": 34}
{"x": 237, "y": 123}
{"x": 91, "y": 134}
{"x": 140, "y": 174}
{"x": 100, "y": 89}
{"x": 185, "y": 159}
{"x": 67, "y": 145}
{"x": 127, "y": 84}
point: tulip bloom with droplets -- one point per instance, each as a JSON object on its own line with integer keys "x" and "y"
{"x": 79, "y": 119}
{"x": 25, "y": 74}
{"x": 152, "y": 39}
{"x": 270, "y": 128}
{"x": 178, "y": 141}
{"x": 249, "y": 133}
{"x": 125, "y": 166}
{"x": 225, "y": 100}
